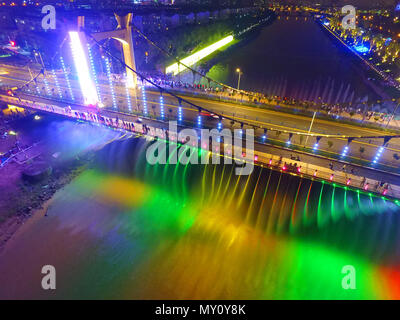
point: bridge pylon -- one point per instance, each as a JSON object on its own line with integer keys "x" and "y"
{"x": 124, "y": 35}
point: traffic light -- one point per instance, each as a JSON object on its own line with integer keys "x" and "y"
{"x": 12, "y": 42}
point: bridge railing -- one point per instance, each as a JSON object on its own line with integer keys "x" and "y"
{"x": 261, "y": 158}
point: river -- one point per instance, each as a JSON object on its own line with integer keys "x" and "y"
{"x": 127, "y": 229}
{"x": 295, "y": 58}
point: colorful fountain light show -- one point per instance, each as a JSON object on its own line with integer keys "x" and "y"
{"x": 85, "y": 197}
{"x": 128, "y": 229}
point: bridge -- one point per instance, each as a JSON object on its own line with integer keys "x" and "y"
{"x": 143, "y": 104}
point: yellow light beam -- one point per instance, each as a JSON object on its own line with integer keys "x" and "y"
{"x": 197, "y": 56}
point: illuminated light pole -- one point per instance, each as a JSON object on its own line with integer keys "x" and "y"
{"x": 57, "y": 84}
{"x": 81, "y": 65}
{"x": 378, "y": 155}
{"x": 37, "y": 87}
{"x": 316, "y": 145}
{"x": 180, "y": 112}
{"x": 381, "y": 150}
{"x": 345, "y": 151}
{"x": 264, "y": 137}
{"x": 110, "y": 82}
{"x": 289, "y": 142}
{"x": 38, "y": 54}
{"x": 67, "y": 78}
{"x": 144, "y": 100}
{"x": 199, "y": 119}
{"x": 162, "y": 106}
{"x": 240, "y": 75}
{"x": 219, "y": 125}
{"x": 128, "y": 96}
{"x": 46, "y": 85}
{"x": 346, "y": 148}
{"x": 94, "y": 73}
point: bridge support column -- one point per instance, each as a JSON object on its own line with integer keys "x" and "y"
{"x": 124, "y": 35}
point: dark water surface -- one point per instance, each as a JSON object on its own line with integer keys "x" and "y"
{"x": 295, "y": 58}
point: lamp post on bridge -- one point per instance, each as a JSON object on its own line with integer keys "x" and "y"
{"x": 38, "y": 54}
{"x": 240, "y": 74}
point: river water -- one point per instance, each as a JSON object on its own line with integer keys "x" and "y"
{"x": 294, "y": 57}
{"x": 127, "y": 229}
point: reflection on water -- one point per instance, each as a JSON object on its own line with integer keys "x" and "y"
{"x": 294, "y": 58}
{"x": 130, "y": 230}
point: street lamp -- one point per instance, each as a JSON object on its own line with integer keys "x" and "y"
{"x": 240, "y": 74}
{"x": 38, "y": 54}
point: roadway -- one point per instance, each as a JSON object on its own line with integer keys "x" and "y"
{"x": 271, "y": 119}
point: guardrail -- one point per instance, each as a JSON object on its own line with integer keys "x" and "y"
{"x": 307, "y": 170}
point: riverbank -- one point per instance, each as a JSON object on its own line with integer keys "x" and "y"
{"x": 22, "y": 199}
{"x": 59, "y": 150}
